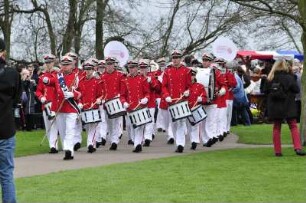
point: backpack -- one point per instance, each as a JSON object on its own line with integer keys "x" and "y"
{"x": 277, "y": 91}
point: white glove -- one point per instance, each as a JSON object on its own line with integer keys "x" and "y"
{"x": 149, "y": 79}
{"x": 68, "y": 95}
{"x": 199, "y": 99}
{"x": 168, "y": 99}
{"x": 126, "y": 105}
{"x": 186, "y": 93}
{"x": 222, "y": 91}
{"x": 98, "y": 101}
{"x": 144, "y": 100}
{"x": 103, "y": 101}
{"x": 45, "y": 80}
{"x": 43, "y": 100}
{"x": 80, "y": 106}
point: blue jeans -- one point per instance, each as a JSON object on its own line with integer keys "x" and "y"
{"x": 7, "y": 148}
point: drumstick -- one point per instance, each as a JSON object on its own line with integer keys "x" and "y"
{"x": 178, "y": 99}
{"x": 196, "y": 102}
{"x": 137, "y": 106}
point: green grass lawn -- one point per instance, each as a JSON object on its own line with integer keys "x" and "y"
{"x": 28, "y": 143}
{"x": 239, "y": 175}
{"x": 260, "y": 134}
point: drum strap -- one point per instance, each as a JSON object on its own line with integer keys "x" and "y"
{"x": 64, "y": 88}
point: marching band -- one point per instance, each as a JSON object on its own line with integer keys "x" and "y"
{"x": 99, "y": 97}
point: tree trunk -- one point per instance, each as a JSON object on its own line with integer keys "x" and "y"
{"x": 101, "y": 4}
{"x": 70, "y": 32}
{"x": 302, "y": 9}
{"x": 6, "y": 27}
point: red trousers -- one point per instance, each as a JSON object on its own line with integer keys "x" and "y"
{"x": 295, "y": 135}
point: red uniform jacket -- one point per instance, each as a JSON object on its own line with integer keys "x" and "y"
{"x": 154, "y": 87}
{"x": 111, "y": 84}
{"x": 71, "y": 81}
{"x": 231, "y": 83}
{"x": 133, "y": 89}
{"x": 175, "y": 82}
{"x": 90, "y": 91}
{"x": 48, "y": 91}
{"x": 220, "y": 82}
{"x": 196, "y": 90}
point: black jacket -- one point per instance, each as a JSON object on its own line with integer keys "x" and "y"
{"x": 281, "y": 109}
{"x": 10, "y": 90}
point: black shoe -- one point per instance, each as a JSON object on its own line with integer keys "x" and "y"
{"x": 68, "y": 155}
{"x": 193, "y": 145}
{"x": 147, "y": 143}
{"x": 220, "y": 137}
{"x": 113, "y": 146}
{"x": 103, "y": 142}
{"x": 299, "y": 152}
{"x": 77, "y": 146}
{"x": 179, "y": 149}
{"x": 278, "y": 154}
{"x": 214, "y": 140}
{"x": 224, "y": 134}
{"x": 138, "y": 149}
{"x": 130, "y": 142}
{"x": 91, "y": 149}
{"x": 164, "y": 131}
{"x": 153, "y": 136}
{"x": 160, "y": 130}
{"x": 208, "y": 143}
{"x": 120, "y": 137}
{"x": 53, "y": 151}
{"x": 98, "y": 144}
{"x": 227, "y": 133}
{"x": 170, "y": 141}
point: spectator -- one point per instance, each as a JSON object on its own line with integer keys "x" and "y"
{"x": 281, "y": 89}
{"x": 10, "y": 87}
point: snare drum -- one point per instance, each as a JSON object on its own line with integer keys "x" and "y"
{"x": 50, "y": 114}
{"x": 206, "y": 77}
{"x": 140, "y": 117}
{"x": 114, "y": 108}
{"x": 198, "y": 115}
{"x": 179, "y": 110}
{"x": 91, "y": 116}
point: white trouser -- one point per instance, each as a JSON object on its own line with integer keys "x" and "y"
{"x": 138, "y": 135}
{"x": 67, "y": 125}
{"x": 166, "y": 122}
{"x": 102, "y": 126}
{"x": 193, "y": 132}
{"x": 78, "y": 133}
{"x": 114, "y": 129}
{"x": 51, "y": 131}
{"x": 91, "y": 130}
{"x": 120, "y": 125}
{"x": 208, "y": 126}
{"x": 222, "y": 120}
{"x": 159, "y": 118}
{"x": 179, "y": 129}
{"x": 129, "y": 128}
{"x": 229, "y": 104}
{"x": 149, "y": 127}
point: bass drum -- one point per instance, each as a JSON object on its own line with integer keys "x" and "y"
{"x": 206, "y": 77}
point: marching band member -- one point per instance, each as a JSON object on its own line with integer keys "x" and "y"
{"x": 135, "y": 94}
{"x": 67, "y": 109}
{"x": 175, "y": 85}
{"x": 196, "y": 97}
{"x": 154, "y": 85}
{"x": 231, "y": 84}
{"x": 222, "y": 89}
{"x": 90, "y": 99}
{"x": 77, "y": 140}
{"x": 111, "y": 81}
{"x": 46, "y": 94}
{"x": 208, "y": 127}
{"x": 102, "y": 126}
{"x": 163, "y": 116}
